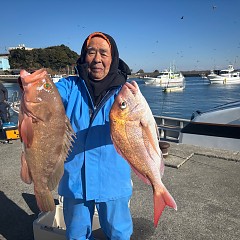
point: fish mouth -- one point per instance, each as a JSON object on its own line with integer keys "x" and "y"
{"x": 31, "y": 78}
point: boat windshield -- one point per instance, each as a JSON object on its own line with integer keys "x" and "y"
{"x": 224, "y": 72}
{"x": 163, "y": 73}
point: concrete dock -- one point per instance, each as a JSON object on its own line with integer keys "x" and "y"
{"x": 204, "y": 183}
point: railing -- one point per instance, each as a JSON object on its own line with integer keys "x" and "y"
{"x": 9, "y": 76}
{"x": 169, "y": 127}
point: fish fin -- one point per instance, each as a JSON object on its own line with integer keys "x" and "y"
{"x": 117, "y": 148}
{"x": 25, "y": 173}
{"x": 141, "y": 176}
{"x": 162, "y": 166}
{"x": 162, "y": 199}
{"x": 20, "y": 118}
{"x": 45, "y": 200}
{"x": 157, "y": 131}
{"x": 161, "y": 169}
{"x": 69, "y": 137}
{"x": 69, "y": 133}
{"x": 66, "y": 146}
{"x": 26, "y": 131}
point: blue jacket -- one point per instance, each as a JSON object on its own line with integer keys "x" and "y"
{"x": 93, "y": 170}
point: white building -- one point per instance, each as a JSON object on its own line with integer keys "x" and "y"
{"x": 20, "y": 46}
{"x": 4, "y": 63}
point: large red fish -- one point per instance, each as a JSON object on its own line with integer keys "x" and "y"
{"x": 46, "y": 134}
{"x": 135, "y": 135}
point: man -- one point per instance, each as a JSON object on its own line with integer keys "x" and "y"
{"x": 95, "y": 174}
{"x": 4, "y": 115}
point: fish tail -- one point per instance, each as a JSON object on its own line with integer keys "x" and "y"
{"x": 45, "y": 201}
{"x": 162, "y": 199}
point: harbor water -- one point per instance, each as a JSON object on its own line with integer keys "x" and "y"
{"x": 197, "y": 95}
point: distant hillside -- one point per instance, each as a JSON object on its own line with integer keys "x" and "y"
{"x": 57, "y": 58}
{"x": 195, "y": 73}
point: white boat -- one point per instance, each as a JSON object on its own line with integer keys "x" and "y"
{"x": 216, "y": 128}
{"x": 166, "y": 77}
{"x": 56, "y": 78}
{"x": 203, "y": 76}
{"x": 149, "y": 80}
{"x": 225, "y": 76}
{"x": 175, "y": 88}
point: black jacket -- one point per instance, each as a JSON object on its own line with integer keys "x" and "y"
{"x": 3, "y": 93}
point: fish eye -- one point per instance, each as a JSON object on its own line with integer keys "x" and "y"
{"x": 47, "y": 86}
{"x": 123, "y": 105}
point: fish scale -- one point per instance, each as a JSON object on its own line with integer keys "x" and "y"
{"x": 135, "y": 136}
{"x": 46, "y": 134}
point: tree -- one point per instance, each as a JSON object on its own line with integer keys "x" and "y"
{"x": 57, "y": 58}
{"x": 140, "y": 71}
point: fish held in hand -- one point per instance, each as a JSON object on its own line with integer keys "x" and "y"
{"x": 135, "y": 136}
{"x": 46, "y": 134}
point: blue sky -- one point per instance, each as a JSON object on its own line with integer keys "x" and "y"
{"x": 150, "y": 34}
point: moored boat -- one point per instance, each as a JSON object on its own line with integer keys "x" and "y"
{"x": 225, "y": 76}
{"x": 216, "y": 128}
{"x": 174, "y": 88}
{"x": 56, "y": 78}
{"x": 150, "y": 80}
{"x": 167, "y": 77}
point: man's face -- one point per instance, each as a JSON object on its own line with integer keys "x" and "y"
{"x": 99, "y": 58}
